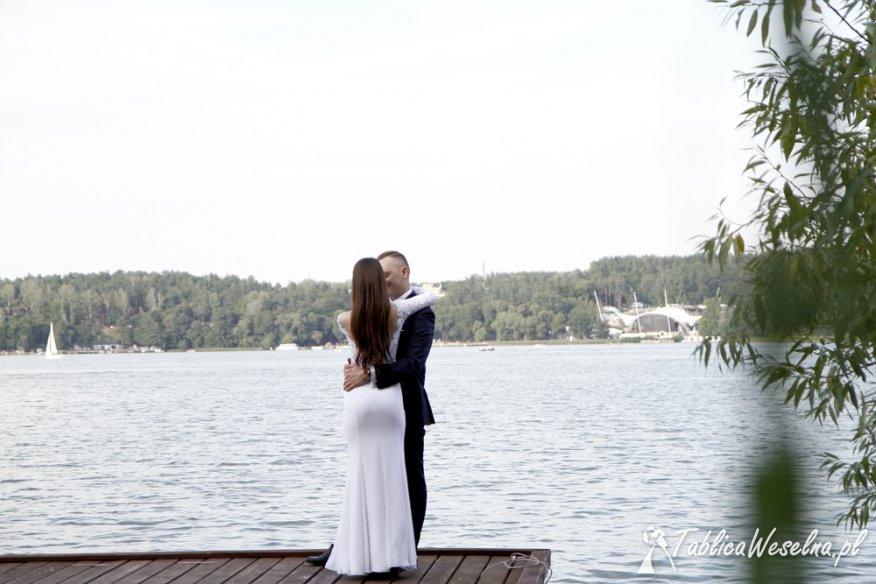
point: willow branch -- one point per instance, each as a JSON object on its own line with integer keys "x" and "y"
{"x": 846, "y": 22}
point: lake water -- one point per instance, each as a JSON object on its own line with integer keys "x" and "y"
{"x": 579, "y": 449}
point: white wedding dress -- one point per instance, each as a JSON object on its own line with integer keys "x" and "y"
{"x": 376, "y": 532}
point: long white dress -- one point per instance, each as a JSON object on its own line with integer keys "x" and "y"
{"x": 376, "y": 532}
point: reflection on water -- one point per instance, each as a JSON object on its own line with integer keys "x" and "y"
{"x": 576, "y": 448}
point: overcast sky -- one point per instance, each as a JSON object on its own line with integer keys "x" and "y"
{"x": 287, "y": 139}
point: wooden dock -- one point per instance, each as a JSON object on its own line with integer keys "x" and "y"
{"x": 435, "y": 566}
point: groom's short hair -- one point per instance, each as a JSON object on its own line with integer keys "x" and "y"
{"x": 395, "y": 254}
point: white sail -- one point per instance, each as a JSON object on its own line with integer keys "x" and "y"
{"x": 51, "y": 346}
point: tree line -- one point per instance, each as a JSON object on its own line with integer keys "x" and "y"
{"x": 178, "y": 311}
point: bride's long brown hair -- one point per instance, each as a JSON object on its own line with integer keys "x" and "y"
{"x": 370, "y": 316}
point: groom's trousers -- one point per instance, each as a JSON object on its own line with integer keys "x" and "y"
{"x": 414, "y": 444}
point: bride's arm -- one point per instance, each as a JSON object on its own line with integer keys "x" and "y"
{"x": 420, "y": 300}
{"x": 344, "y": 323}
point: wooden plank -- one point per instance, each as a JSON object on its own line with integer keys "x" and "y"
{"x": 54, "y": 573}
{"x": 537, "y": 573}
{"x": 118, "y": 574}
{"x": 326, "y": 576}
{"x": 20, "y": 569}
{"x": 474, "y": 551}
{"x": 280, "y": 570}
{"x": 253, "y": 571}
{"x": 301, "y": 574}
{"x": 93, "y": 570}
{"x": 8, "y": 566}
{"x": 194, "y": 555}
{"x": 202, "y": 570}
{"x": 513, "y": 564}
{"x": 255, "y": 554}
{"x": 229, "y": 569}
{"x": 469, "y": 570}
{"x": 515, "y": 573}
{"x": 442, "y": 569}
{"x": 171, "y": 573}
{"x": 496, "y": 572}
{"x": 518, "y": 564}
{"x": 424, "y": 564}
{"x": 44, "y": 571}
{"x": 148, "y": 570}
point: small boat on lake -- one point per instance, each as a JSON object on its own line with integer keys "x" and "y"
{"x": 487, "y": 348}
{"x": 51, "y": 346}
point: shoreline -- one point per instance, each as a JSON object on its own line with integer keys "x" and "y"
{"x": 435, "y": 345}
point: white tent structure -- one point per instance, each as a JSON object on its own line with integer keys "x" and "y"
{"x": 671, "y": 319}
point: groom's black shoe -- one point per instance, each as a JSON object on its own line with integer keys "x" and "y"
{"x": 321, "y": 559}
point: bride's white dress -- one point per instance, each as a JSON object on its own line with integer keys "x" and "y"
{"x": 376, "y": 532}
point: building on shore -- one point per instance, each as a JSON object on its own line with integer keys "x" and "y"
{"x": 663, "y": 321}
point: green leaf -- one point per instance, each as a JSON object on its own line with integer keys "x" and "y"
{"x": 788, "y": 136}
{"x": 754, "y": 163}
{"x": 788, "y": 16}
{"x": 751, "y": 23}
{"x": 871, "y": 32}
{"x": 740, "y": 245}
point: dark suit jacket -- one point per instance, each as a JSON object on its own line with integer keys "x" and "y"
{"x": 409, "y": 368}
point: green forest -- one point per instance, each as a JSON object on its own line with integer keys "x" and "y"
{"x": 179, "y": 311}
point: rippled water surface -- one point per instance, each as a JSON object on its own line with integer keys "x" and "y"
{"x": 579, "y": 449}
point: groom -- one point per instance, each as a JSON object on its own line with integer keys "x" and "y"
{"x": 409, "y": 369}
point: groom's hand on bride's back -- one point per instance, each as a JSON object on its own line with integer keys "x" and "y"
{"x": 355, "y": 376}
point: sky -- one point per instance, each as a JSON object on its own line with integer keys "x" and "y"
{"x": 285, "y": 140}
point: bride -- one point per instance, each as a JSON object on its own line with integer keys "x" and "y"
{"x": 376, "y": 532}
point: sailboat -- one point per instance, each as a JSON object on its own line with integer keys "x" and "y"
{"x": 52, "y": 347}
